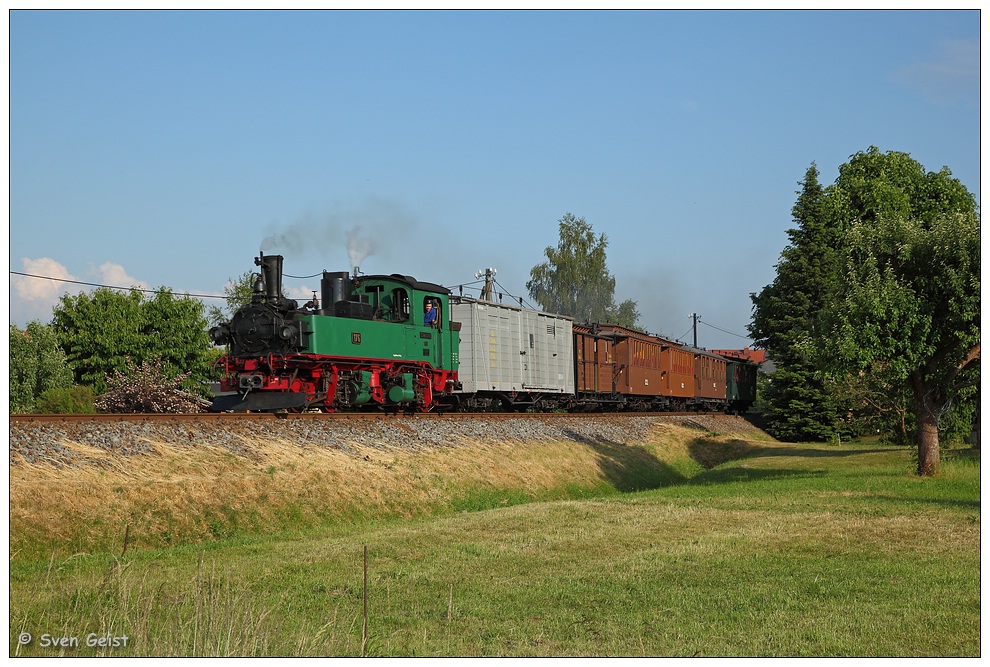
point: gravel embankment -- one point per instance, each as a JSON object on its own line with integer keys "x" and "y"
{"x": 59, "y": 443}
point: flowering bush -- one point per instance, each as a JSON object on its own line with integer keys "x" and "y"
{"x": 146, "y": 388}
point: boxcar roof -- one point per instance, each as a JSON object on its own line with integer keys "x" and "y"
{"x": 499, "y": 304}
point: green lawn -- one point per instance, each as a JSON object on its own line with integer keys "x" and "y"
{"x": 792, "y": 550}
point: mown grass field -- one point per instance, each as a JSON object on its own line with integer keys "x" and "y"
{"x": 690, "y": 544}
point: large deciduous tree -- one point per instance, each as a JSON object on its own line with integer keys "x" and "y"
{"x": 910, "y": 302}
{"x": 910, "y": 242}
{"x": 893, "y": 184}
{"x": 101, "y": 330}
{"x": 575, "y": 280}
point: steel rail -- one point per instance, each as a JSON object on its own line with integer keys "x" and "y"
{"x": 372, "y": 416}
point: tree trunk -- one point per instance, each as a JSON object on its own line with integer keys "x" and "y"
{"x": 928, "y": 453}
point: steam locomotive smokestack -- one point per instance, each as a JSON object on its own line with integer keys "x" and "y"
{"x": 271, "y": 270}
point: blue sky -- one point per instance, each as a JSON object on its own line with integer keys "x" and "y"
{"x": 168, "y": 148}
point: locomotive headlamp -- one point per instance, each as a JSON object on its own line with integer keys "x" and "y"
{"x": 251, "y": 381}
{"x": 287, "y": 333}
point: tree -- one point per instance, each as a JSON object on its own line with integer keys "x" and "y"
{"x": 895, "y": 185}
{"x": 878, "y": 402}
{"x": 910, "y": 300}
{"x": 180, "y": 325}
{"x": 101, "y": 330}
{"x": 575, "y": 280}
{"x": 37, "y": 365}
{"x": 626, "y": 315}
{"x": 799, "y": 405}
{"x": 239, "y": 292}
{"x": 807, "y": 320}
{"x": 877, "y": 189}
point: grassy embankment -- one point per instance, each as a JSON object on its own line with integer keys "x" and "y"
{"x": 691, "y": 544}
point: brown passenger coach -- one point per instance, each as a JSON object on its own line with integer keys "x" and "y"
{"x": 623, "y": 366}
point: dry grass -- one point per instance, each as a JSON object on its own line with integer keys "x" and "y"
{"x": 177, "y": 494}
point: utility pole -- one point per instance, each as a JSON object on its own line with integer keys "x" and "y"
{"x": 694, "y": 326}
{"x": 489, "y": 274}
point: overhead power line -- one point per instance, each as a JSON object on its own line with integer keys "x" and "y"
{"x": 723, "y": 330}
{"x": 155, "y": 291}
{"x": 128, "y": 289}
{"x": 504, "y": 291}
{"x": 215, "y": 296}
{"x": 514, "y": 298}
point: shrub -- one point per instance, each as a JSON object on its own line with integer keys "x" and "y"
{"x": 78, "y": 400}
{"x": 146, "y": 388}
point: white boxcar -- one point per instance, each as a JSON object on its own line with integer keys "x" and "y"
{"x": 508, "y": 350}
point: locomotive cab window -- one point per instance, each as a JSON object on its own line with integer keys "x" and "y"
{"x": 378, "y": 303}
{"x": 390, "y": 306}
{"x": 400, "y": 305}
{"x": 431, "y": 312}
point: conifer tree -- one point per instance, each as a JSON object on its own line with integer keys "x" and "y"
{"x": 801, "y": 407}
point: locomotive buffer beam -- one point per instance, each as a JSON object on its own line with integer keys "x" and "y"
{"x": 259, "y": 401}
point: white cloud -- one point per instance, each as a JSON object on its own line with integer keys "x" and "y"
{"x": 303, "y": 293}
{"x": 41, "y": 289}
{"x": 950, "y": 76}
{"x": 33, "y": 298}
{"x": 112, "y": 274}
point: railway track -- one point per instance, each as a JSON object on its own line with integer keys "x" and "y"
{"x": 214, "y": 417}
{"x": 93, "y": 439}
